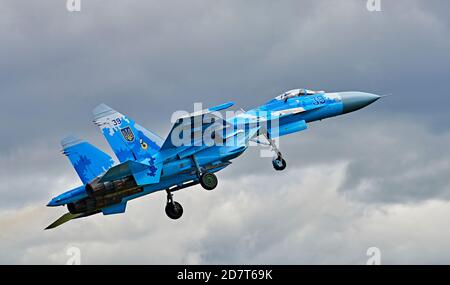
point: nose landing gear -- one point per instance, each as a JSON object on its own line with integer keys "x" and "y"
{"x": 279, "y": 163}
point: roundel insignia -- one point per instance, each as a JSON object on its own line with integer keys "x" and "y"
{"x": 144, "y": 145}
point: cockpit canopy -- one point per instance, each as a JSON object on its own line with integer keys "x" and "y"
{"x": 296, "y": 93}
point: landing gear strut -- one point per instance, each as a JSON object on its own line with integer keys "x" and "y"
{"x": 278, "y": 162}
{"x": 208, "y": 181}
{"x": 174, "y": 210}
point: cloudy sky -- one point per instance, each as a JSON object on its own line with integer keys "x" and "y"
{"x": 375, "y": 178}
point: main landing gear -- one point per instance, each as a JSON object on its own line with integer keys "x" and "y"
{"x": 207, "y": 180}
{"x": 174, "y": 210}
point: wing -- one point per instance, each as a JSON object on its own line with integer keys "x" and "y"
{"x": 188, "y": 130}
{"x": 291, "y": 111}
{"x": 272, "y": 123}
{"x": 88, "y": 161}
{"x": 128, "y": 140}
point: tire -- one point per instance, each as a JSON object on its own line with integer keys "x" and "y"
{"x": 174, "y": 210}
{"x": 278, "y": 164}
{"x": 208, "y": 181}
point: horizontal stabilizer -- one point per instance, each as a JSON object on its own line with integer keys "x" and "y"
{"x": 63, "y": 219}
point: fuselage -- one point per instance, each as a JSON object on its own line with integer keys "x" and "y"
{"x": 319, "y": 105}
{"x": 291, "y": 110}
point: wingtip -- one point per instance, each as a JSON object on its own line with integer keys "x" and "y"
{"x": 51, "y": 226}
{"x": 63, "y": 219}
{"x": 221, "y": 107}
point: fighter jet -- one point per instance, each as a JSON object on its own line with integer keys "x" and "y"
{"x": 198, "y": 145}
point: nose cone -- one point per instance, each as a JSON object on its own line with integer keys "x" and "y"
{"x": 353, "y": 101}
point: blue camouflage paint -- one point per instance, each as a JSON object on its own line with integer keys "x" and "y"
{"x": 128, "y": 140}
{"x": 88, "y": 161}
{"x": 119, "y": 148}
{"x": 157, "y": 164}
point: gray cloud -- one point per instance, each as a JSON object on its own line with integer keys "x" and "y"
{"x": 63, "y": 66}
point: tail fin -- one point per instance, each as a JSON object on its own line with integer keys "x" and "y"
{"x": 128, "y": 140}
{"x": 88, "y": 161}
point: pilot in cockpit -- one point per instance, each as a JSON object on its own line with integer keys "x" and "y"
{"x": 295, "y": 93}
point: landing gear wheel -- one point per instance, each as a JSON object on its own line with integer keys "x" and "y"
{"x": 208, "y": 181}
{"x": 174, "y": 210}
{"x": 279, "y": 163}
